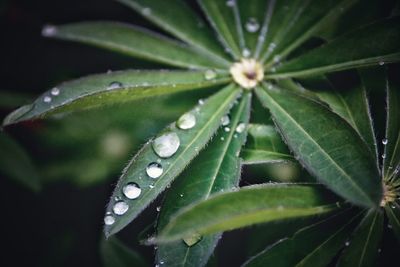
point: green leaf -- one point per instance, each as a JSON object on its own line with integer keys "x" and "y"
{"x": 177, "y": 18}
{"x": 208, "y": 117}
{"x": 248, "y": 206}
{"x": 372, "y": 44}
{"x": 391, "y": 161}
{"x": 349, "y": 103}
{"x": 301, "y": 21}
{"x": 116, "y": 87}
{"x": 264, "y": 145}
{"x": 216, "y": 169}
{"x": 393, "y": 213}
{"x": 364, "y": 245}
{"x": 224, "y": 17}
{"x": 315, "y": 245}
{"x": 133, "y": 41}
{"x": 16, "y": 164}
{"x": 329, "y": 148}
{"x": 115, "y": 254}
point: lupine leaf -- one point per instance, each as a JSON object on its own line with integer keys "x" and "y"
{"x": 116, "y": 87}
{"x": 364, "y": 245}
{"x": 192, "y": 140}
{"x": 264, "y": 145}
{"x": 314, "y": 245}
{"x": 393, "y": 213}
{"x": 248, "y": 206}
{"x": 329, "y": 148}
{"x": 369, "y": 45}
{"x": 216, "y": 169}
{"x": 133, "y": 41}
{"x": 175, "y": 17}
{"x": 223, "y": 16}
{"x": 115, "y": 254}
{"x": 16, "y": 164}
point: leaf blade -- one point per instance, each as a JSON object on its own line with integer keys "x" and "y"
{"x": 115, "y": 254}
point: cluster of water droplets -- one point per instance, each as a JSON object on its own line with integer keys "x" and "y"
{"x": 48, "y": 98}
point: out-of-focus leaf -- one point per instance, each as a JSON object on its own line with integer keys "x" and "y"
{"x": 10, "y": 99}
{"x": 248, "y": 206}
{"x": 16, "y": 164}
{"x": 216, "y": 169}
{"x": 393, "y": 213}
{"x": 116, "y": 87}
{"x": 264, "y": 145}
{"x": 175, "y": 17}
{"x": 207, "y": 120}
{"x": 133, "y": 41}
{"x": 329, "y": 148}
{"x": 314, "y": 245}
{"x": 364, "y": 245}
{"x": 224, "y": 17}
{"x": 115, "y": 254}
{"x": 373, "y": 44}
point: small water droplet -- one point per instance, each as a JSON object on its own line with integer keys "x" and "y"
{"x": 158, "y": 208}
{"x": 227, "y": 129}
{"x": 55, "y": 91}
{"x": 154, "y": 170}
{"x": 192, "y": 240}
{"x": 120, "y": 207}
{"x": 181, "y": 195}
{"x": 49, "y": 30}
{"x": 146, "y": 11}
{"x": 384, "y": 141}
{"x": 210, "y": 74}
{"x": 347, "y": 243}
{"x": 246, "y": 52}
{"x": 383, "y": 156}
{"x": 252, "y": 25}
{"x": 222, "y": 138}
{"x": 389, "y": 226}
{"x": 381, "y": 63}
{"x": 166, "y": 145}
{"x": 109, "y": 220}
{"x": 151, "y": 186}
{"x": 186, "y": 121}
{"x": 114, "y": 85}
{"x": 225, "y": 120}
{"x": 131, "y": 190}
{"x": 230, "y": 3}
{"x": 47, "y": 99}
{"x": 241, "y": 127}
{"x": 201, "y": 102}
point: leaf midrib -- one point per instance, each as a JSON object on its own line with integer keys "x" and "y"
{"x": 367, "y": 240}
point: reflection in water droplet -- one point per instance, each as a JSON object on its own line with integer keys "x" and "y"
{"x": 120, "y": 207}
{"x": 192, "y": 240}
{"x": 47, "y": 99}
{"x": 225, "y": 120}
{"x": 154, "y": 170}
{"x": 186, "y": 121}
{"x": 114, "y": 85}
{"x": 55, "y": 91}
{"x": 166, "y": 145}
{"x": 109, "y": 220}
{"x": 132, "y": 190}
{"x": 252, "y": 25}
{"x": 241, "y": 127}
{"x": 384, "y": 141}
{"x": 210, "y": 74}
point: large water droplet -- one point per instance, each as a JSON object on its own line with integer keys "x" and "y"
{"x": 114, "y": 85}
{"x": 186, "y": 121}
{"x": 384, "y": 141}
{"x": 192, "y": 240}
{"x": 47, "y": 99}
{"x": 225, "y": 120}
{"x": 131, "y": 190}
{"x": 49, "y": 30}
{"x": 55, "y": 91}
{"x": 166, "y": 145}
{"x": 241, "y": 127}
{"x": 120, "y": 207}
{"x": 109, "y": 220}
{"x": 154, "y": 170}
{"x": 252, "y": 25}
{"x": 210, "y": 74}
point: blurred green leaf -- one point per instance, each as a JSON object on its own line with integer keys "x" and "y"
{"x": 208, "y": 117}
{"x": 216, "y": 169}
{"x": 115, "y": 254}
{"x": 393, "y": 213}
{"x": 248, "y": 206}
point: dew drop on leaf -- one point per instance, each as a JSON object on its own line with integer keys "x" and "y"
{"x": 241, "y": 127}
{"x": 246, "y": 52}
{"x": 225, "y": 120}
{"x": 131, "y": 190}
{"x": 166, "y": 145}
{"x": 186, "y": 121}
{"x": 154, "y": 170}
{"x": 120, "y": 207}
{"x": 49, "y": 30}
{"x": 252, "y": 25}
{"x": 384, "y": 141}
{"x": 227, "y": 129}
{"x": 114, "y": 85}
{"x": 47, "y": 99}
{"x": 109, "y": 220}
{"x": 230, "y": 3}
{"x": 55, "y": 91}
{"x": 210, "y": 74}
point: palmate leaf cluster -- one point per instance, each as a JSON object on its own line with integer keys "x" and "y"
{"x": 326, "y": 128}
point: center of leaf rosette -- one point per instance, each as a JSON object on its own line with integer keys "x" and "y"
{"x": 247, "y": 73}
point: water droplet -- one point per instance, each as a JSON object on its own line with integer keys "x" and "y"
{"x": 49, "y": 30}
{"x": 241, "y": 127}
{"x": 277, "y": 58}
{"x": 347, "y": 243}
{"x": 114, "y": 85}
{"x": 225, "y": 120}
{"x": 146, "y": 11}
{"x": 192, "y": 240}
{"x": 151, "y": 186}
{"x": 55, "y": 91}
{"x": 132, "y": 190}
{"x": 389, "y": 226}
{"x": 166, "y": 145}
{"x": 252, "y": 25}
{"x": 230, "y": 3}
{"x": 158, "y": 208}
{"x": 161, "y": 262}
{"x": 384, "y": 141}
{"x": 186, "y": 121}
{"x": 210, "y": 74}
{"x": 181, "y": 195}
{"x": 120, "y": 207}
{"x": 246, "y": 52}
{"x": 381, "y": 63}
{"x": 227, "y": 129}
{"x": 47, "y": 99}
{"x": 222, "y": 138}
{"x": 154, "y": 170}
{"x": 201, "y": 102}
{"x": 109, "y": 220}
{"x": 383, "y": 156}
